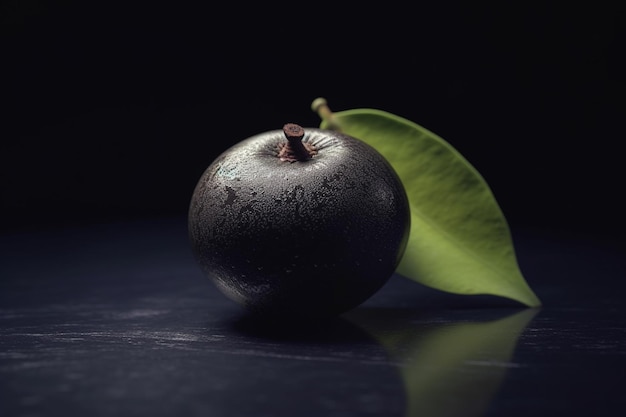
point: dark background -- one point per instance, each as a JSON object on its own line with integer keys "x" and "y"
{"x": 112, "y": 112}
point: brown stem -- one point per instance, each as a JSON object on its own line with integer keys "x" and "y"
{"x": 295, "y": 150}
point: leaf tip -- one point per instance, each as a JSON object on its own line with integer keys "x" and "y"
{"x": 528, "y": 298}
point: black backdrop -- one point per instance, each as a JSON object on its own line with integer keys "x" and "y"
{"x": 113, "y": 111}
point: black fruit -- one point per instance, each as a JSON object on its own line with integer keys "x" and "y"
{"x": 303, "y": 222}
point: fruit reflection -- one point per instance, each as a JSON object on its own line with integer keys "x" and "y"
{"x": 449, "y": 368}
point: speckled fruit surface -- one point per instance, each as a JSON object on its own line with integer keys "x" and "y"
{"x": 312, "y": 237}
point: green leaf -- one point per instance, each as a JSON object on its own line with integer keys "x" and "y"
{"x": 460, "y": 241}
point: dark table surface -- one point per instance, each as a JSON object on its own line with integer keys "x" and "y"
{"x": 117, "y": 320}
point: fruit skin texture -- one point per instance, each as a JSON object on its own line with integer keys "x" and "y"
{"x": 312, "y": 238}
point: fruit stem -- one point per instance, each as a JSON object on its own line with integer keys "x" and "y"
{"x": 320, "y": 106}
{"x": 295, "y": 150}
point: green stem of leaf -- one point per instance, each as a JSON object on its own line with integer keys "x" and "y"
{"x": 320, "y": 106}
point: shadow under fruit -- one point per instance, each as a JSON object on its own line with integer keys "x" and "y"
{"x": 299, "y": 222}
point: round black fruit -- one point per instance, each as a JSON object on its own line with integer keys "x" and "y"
{"x": 299, "y": 222}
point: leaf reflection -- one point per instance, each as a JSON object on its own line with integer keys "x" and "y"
{"x": 450, "y": 368}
